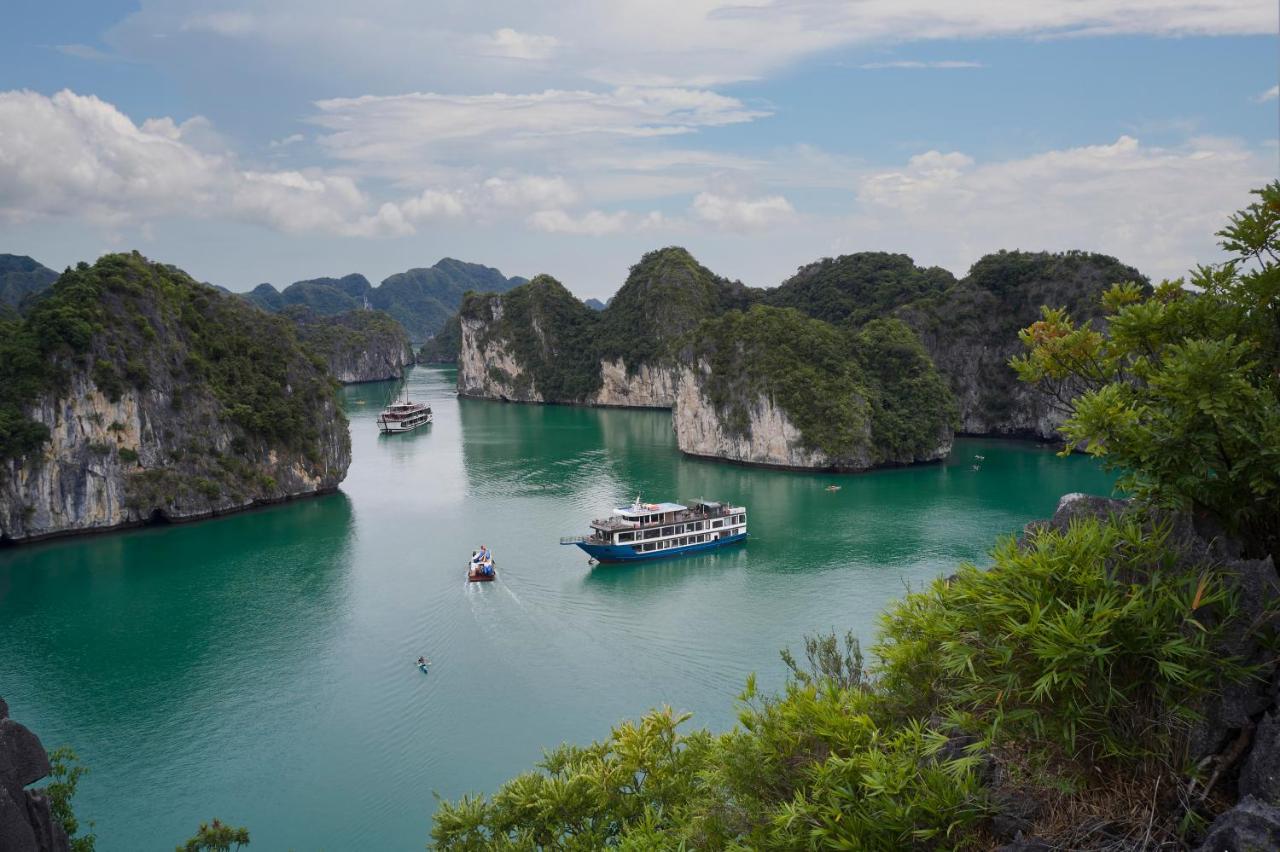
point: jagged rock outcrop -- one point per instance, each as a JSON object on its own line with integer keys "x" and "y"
{"x": 971, "y": 331}
{"x": 486, "y": 367}
{"x": 769, "y": 438}
{"x": 133, "y": 393}
{"x": 649, "y": 386}
{"x": 26, "y": 820}
{"x": 358, "y": 346}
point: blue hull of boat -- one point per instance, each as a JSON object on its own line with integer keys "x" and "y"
{"x": 627, "y": 553}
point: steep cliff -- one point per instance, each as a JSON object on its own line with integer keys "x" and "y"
{"x": 772, "y": 386}
{"x": 358, "y": 346}
{"x": 133, "y": 393}
{"x": 971, "y": 331}
{"x": 535, "y": 343}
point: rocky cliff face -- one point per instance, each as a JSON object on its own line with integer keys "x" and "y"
{"x": 179, "y": 403}
{"x": 27, "y": 823}
{"x": 650, "y": 386}
{"x": 770, "y": 437}
{"x": 971, "y": 332}
{"x": 486, "y": 367}
{"x": 358, "y": 346}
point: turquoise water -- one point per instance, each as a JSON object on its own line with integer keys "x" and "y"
{"x": 259, "y": 668}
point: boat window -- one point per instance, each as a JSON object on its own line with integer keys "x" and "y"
{"x": 716, "y": 524}
{"x": 651, "y": 533}
{"x": 668, "y": 530}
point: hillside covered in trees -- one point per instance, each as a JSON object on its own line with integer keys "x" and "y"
{"x": 130, "y": 392}
{"x": 422, "y": 300}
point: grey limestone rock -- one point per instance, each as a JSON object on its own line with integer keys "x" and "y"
{"x": 1251, "y": 826}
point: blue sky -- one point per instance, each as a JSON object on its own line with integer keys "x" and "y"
{"x": 274, "y": 140}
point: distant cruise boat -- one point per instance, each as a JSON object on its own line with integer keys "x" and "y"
{"x": 653, "y": 530}
{"x": 404, "y": 416}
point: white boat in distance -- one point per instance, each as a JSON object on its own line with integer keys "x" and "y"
{"x": 404, "y": 416}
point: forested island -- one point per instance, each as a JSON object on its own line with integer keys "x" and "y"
{"x": 854, "y": 362}
{"x": 131, "y": 393}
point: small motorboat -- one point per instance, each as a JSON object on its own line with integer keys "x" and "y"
{"x": 481, "y": 571}
{"x": 834, "y": 487}
{"x": 423, "y": 664}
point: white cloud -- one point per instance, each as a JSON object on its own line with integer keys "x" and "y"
{"x": 530, "y": 191}
{"x": 1155, "y": 208}
{"x": 292, "y": 139}
{"x": 646, "y": 42}
{"x": 424, "y": 126}
{"x": 593, "y": 223}
{"x": 223, "y": 23}
{"x": 910, "y": 63}
{"x": 508, "y": 43}
{"x": 742, "y": 214}
{"x": 1269, "y": 95}
{"x": 76, "y": 156}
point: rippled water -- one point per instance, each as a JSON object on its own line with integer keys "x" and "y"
{"x": 259, "y": 668}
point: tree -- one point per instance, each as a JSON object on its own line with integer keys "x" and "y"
{"x": 216, "y": 836}
{"x": 1181, "y": 389}
{"x": 66, "y": 775}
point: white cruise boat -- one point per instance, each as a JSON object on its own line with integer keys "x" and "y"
{"x": 404, "y": 416}
{"x": 653, "y": 530}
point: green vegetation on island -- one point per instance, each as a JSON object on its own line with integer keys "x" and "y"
{"x": 855, "y": 288}
{"x": 229, "y": 401}
{"x": 665, "y": 296}
{"x": 1075, "y": 694}
{"x": 359, "y": 345}
{"x": 422, "y": 300}
{"x": 802, "y": 364}
{"x": 551, "y": 334}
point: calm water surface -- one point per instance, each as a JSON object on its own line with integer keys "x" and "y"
{"x": 259, "y": 668}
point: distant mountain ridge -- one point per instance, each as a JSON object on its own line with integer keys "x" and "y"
{"x": 20, "y": 276}
{"x": 421, "y": 299}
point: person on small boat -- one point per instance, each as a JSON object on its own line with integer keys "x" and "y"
{"x": 481, "y": 555}
{"x": 422, "y": 661}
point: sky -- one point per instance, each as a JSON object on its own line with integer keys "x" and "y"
{"x": 277, "y": 140}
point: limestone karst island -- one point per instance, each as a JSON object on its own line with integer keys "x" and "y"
{"x": 707, "y": 426}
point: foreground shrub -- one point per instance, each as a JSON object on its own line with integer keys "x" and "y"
{"x": 1088, "y": 640}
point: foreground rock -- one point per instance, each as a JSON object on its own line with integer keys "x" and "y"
{"x": 357, "y": 346}
{"x": 26, "y": 821}
{"x": 133, "y": 393}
